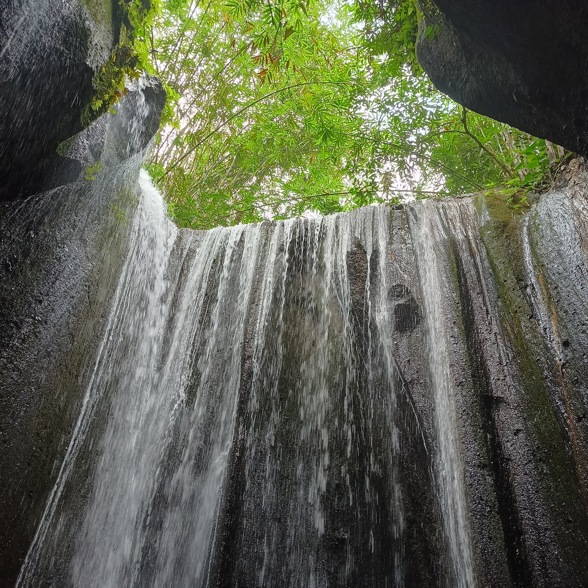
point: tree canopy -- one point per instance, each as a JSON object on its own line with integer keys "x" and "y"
{"x": 277, "y": 108}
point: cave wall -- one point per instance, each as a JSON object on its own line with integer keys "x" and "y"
{"x": 522, "y": 63}
{"x": 514, "y": 286}
{"x": 49, "y": 54}
{"x": 64, "y": 223}
{"x": 60, "y": 257}
{"x": 515, "y": 308}
{"x": 387, "y": 396}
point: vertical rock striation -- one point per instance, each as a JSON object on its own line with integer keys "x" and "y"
{"x": 392, "y": 397}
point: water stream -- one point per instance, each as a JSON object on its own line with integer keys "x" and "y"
{"x": 247, "y": 423}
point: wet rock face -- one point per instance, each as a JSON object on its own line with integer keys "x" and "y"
{"x": 61, "y": 253}
{"x": 61, "y": 249}
{"x": 380, "y": 398}
{"x": 49, "y": 52}
{"x": 519, "y": 62}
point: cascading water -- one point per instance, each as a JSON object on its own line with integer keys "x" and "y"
{"x": 309, "y": 403}
{"x": 242, "y": 424}
{"x": 127, "y": 354}
{"x": 384, "y": 398}
{"x": 429, "y": 236}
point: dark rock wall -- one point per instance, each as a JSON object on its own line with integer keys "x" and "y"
{"x": 49, "y": 53}
{"x": 60, "y": 258}
{"x": 57, "y": 278}
{"x": 539, "y": 265}
{"x": 64, "y": 223}
{"x": 516, "y": 285}
{"x": 510, "y": 302}
{"x": 521, "y": 62}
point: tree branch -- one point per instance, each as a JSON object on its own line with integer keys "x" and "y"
{"x": 464, "y": 121}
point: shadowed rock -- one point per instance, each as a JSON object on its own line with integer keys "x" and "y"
{"x": 523, "y": 63}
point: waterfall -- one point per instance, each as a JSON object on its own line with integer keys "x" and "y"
{"x": 125, "y": 363}
{"x": 297, "y": 404}
{"x": 245, "y": 400}
{"x": 429, "y": 235}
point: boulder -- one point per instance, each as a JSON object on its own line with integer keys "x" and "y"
{"x": 518, "y": 62}
{"x": 49, "y": 54}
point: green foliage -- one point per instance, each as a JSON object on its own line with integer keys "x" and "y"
{"x": 516, "y": 199}
{"x": 120, "y": 214}
{"x": 127, "y": 60}
{"x": 390, "y": 30}
{"x": 263, "y": 120}
{"x": 282, "y": 107}
{"x": 92, "y": 171}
